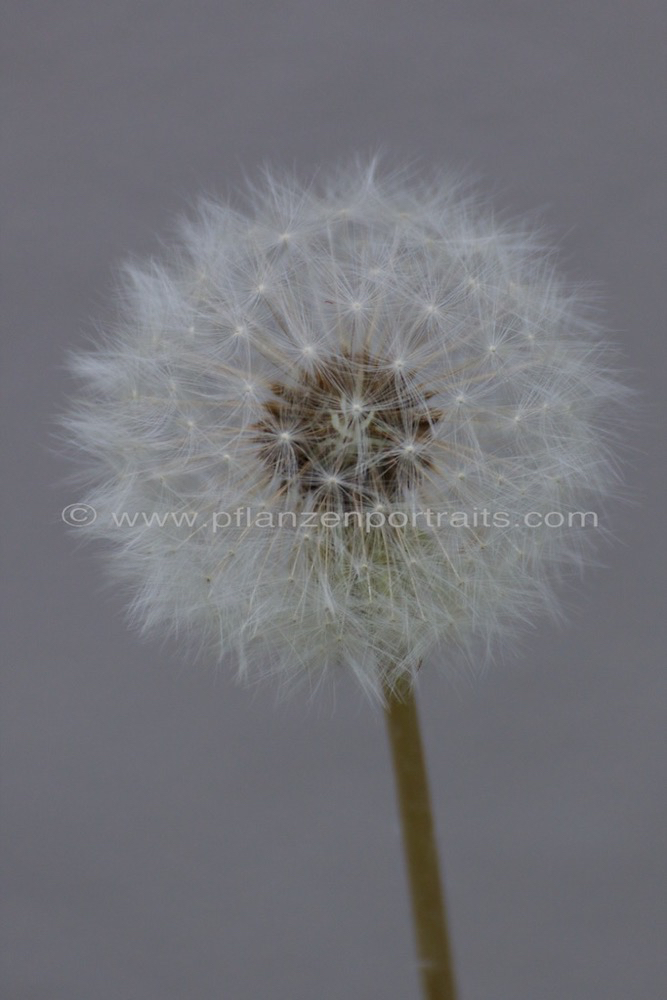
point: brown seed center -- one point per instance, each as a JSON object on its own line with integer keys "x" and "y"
{"x": 350, "y": 434}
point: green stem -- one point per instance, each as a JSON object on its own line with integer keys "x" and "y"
{"x": 435, "y": 961}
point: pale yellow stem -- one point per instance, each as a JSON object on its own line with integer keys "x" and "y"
{"x": 435, "y": 961}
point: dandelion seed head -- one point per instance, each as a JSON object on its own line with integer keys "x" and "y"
{"x": 375, "y": 346}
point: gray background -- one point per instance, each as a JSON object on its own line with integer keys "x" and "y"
{"x": 168, "y": 836}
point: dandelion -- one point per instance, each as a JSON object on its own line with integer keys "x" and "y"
{"x": 368, "y": 357}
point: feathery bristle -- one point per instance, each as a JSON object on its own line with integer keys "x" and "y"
{"x": 380, "y": 347}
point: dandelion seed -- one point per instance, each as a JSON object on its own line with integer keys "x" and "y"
{"x": 331, "y": 401}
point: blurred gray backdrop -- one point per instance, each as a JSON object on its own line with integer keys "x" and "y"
{"x": 168, "y": 836}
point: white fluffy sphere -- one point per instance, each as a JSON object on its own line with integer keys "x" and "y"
{"x": 326, "y": 433}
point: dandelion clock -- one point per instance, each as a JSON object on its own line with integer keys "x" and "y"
{"x": 356, "y": 428}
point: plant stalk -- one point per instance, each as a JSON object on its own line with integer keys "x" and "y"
{"x": 435, "y": 960}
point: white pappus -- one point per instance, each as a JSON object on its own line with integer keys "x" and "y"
{"x": 365, "y": 346}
